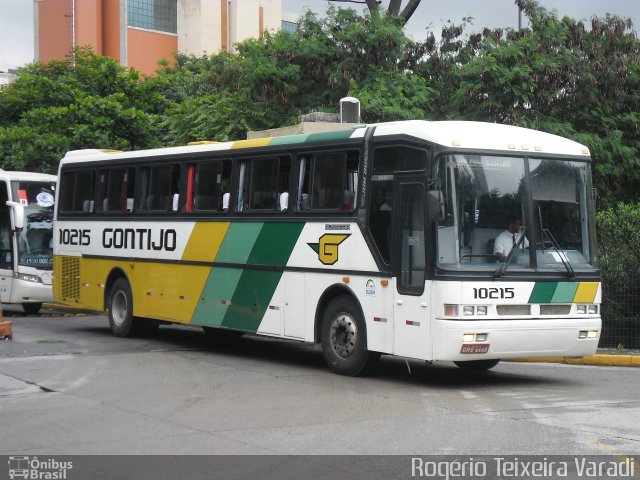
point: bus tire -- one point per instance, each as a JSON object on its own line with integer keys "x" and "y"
{"x": 477, "y": 365}
{"x": 120, "y": 309}
{"x": 31, "y": 308}
{"x": 343, "y": 336}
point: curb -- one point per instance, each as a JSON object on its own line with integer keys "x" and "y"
{"x": 601, "y": 360}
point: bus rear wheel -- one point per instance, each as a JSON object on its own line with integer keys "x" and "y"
{"x": 477, "y": 365}
{"x": 343, "y": 337}
{"x": 31, "y": 308}
{"x": 120, "y": 312}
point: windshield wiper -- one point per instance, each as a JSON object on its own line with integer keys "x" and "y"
{"x": 504, "y": 265}
{"x": 556, "y": 246}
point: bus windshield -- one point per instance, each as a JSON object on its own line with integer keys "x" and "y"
{"x": 493, "y": 206}
{"x": 35, "y": 242}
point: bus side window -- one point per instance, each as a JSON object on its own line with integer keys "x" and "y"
{"x": 160, "y": 188}
{"x": 78, "y": 192}
{"x": 117, "y": 186}
{"x": 264, "y": 184}
{"x": 209, "y": 183}
{"x": 327, "y": 181}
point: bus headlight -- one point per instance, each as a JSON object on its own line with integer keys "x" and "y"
{"x": 468, "y": 310}
{"x": 27, "y": 277}
{"x": 590, "y": 309}
{"x": 481, "y": 310}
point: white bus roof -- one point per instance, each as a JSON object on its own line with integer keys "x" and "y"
{"x": 451, "y": 134}
{"x": 27, "y": 176}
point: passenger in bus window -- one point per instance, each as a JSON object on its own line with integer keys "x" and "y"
{"x": 386, "y": 205}
{"x": 508, "y": 238}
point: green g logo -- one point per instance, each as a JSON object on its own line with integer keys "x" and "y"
{"x": 327, "y": 248}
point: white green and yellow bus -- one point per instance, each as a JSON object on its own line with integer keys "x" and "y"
{"x": 373, "y": 240}
{"x": 26, "y": 238}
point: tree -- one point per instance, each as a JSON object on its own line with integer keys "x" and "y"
{"x": 393, "y": 9}
{"x": 270, "y": 81}
{"x": 564, "y": 78}
{"x": 59, "y": 106}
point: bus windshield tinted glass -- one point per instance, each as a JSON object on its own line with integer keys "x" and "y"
{"x": 35, "y": 242}
{"x": 481, "y": 194}
{"x": 561, "y": 209}
{"x": 488, "y": 214}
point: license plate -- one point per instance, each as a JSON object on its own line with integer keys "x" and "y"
{"x": 477, "y": 348}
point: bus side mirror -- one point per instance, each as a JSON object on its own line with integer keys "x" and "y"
{"x": 435, "y": 205}
{"x": 17, "y": 215}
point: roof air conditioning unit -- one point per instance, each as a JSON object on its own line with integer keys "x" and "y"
{"x": 349, "y": 110}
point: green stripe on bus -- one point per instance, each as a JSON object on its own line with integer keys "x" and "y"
{"x": 216, "y": 296}
{"x": 565, "y": 292}
{"x": 275, "y": 243}
{"x": 222, "y": 283}
{"x": 543, "y": 292}
{"x": 289, "y": 139}
{"x": 326, "y": 136}
{"x": 256, "y": 287}
{"x": 251, "y": 299}
{"x": 238, "y": 298}
{"x": 238, "y": 243}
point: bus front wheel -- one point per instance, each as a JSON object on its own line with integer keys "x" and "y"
{"x": 344, "y": 339}
{"x": 477, "y": 365}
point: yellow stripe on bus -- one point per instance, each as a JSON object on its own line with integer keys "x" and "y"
{"x": 586, "y": 292}
{"x": 205, "y": 241}
{"x": 258, "y": 142}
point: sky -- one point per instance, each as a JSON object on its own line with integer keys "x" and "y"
{"x": 16, "y": 18}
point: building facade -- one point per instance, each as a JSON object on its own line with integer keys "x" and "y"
{"x": 139, "y": 33}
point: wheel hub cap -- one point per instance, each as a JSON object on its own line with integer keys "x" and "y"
{"x": 344, "y": 335}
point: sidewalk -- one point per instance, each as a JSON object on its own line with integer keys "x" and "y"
{"x": 608, "y": 358}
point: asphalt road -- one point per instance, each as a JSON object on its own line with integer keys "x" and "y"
{"x": 68, "y": 387}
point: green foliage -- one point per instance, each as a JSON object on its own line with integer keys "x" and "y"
{"x": 60, "y": 106}
{"x": 269, "y": 82}
{"x": 565, "y": 78}
{"x": 388, "y": 96}
{"x": 619, "y": 244}
{"x": 619, "y": 234}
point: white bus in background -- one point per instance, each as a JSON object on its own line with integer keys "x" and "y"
{"x": 26, "y": 238}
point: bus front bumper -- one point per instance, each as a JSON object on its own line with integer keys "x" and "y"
{"x": 30, "y": 292}
{"x": 498, "y": 339}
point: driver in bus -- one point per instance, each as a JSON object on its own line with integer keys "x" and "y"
{"x": 509, "y": 238}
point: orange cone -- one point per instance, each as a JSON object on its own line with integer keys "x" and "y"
{"x": 6, "y": 331}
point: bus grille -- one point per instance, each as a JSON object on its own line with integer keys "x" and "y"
{"x": 513, "y": 310}
{"x": 555, "y": 309}
{"x": 71, "y": 278}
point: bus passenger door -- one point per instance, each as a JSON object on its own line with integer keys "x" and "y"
{"x": 411, "y": 307}
{"x": 6, "y": 244}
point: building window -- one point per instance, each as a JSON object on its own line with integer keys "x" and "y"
{"x": 289, "y": 27}
{"x": 161, "y": 15}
